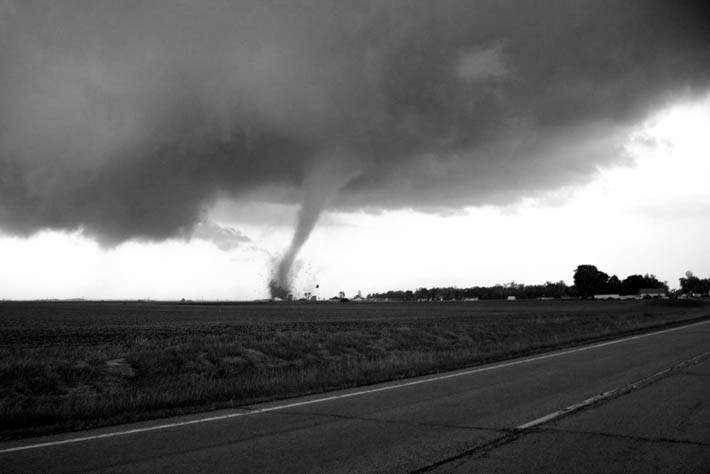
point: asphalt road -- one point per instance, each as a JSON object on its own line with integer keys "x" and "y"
{"x": 465, "y": 421}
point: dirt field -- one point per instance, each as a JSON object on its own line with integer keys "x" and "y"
{"x": 68, "y": 366}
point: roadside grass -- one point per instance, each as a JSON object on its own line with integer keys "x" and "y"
{"x": 71, "y": 366}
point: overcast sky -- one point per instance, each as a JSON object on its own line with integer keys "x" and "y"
{"x": 153, "y": 151}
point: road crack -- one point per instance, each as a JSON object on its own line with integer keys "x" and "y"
{"x": 646, "y": 439}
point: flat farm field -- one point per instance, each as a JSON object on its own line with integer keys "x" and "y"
{"x": 74, "y": 365}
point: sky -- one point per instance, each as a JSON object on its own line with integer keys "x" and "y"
{"x": 205, "y": 150}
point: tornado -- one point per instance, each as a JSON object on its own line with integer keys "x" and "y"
{"x": 280, "y": 285}
{"x": 327, "y": 176}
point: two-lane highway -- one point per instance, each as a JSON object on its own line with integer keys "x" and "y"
{"x": 439, "y": 423}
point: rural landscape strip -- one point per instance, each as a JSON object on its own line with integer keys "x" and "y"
{"x": 521, "y": 428}
{"x": 73, "y": 367}
{"x": 588, "y": 403}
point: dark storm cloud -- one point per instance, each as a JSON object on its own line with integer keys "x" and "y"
{"x": 127, "y": 119}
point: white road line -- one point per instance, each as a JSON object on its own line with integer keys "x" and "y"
{"x": 345, "y": 395}
{"x": 608, "y": 394}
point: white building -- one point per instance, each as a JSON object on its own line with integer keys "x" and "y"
{"x": 610, "y": 296}
{"x": 652, "y": 292}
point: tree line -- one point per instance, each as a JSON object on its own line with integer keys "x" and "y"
{"x": 588, "y": 281}
{"x": 496, "y": 292}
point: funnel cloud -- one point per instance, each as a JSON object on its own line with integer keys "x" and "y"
{"x": 127, "y": 120}
{"x": 326, "y": 176}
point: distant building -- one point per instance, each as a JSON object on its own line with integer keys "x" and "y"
{"x": 610, "y": 296}
{"x": 512, "y": 298}
{"x": 652, "y": 292}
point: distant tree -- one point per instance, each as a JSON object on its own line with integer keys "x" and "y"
{"x": 650, "y": 281}
{"x": 496, "y": 292}
{"x": 692, "y": 284}
{"x": 632, "y": 284}
{"x": 554, "y": 290}
{"x": 421, "y": 294}
{"x": 589, "y": 280}
{"x": 613, "y": 285}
